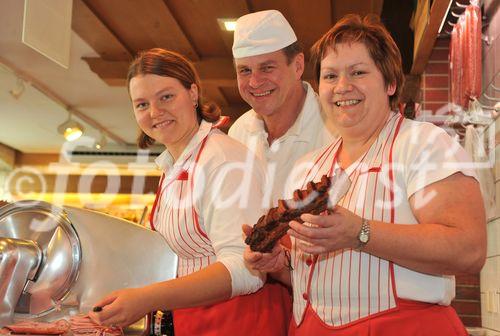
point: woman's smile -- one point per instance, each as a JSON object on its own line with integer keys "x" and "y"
{"x": 163, "y": 124}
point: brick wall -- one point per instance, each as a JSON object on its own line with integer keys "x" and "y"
{"x": 435, "y": 98}
{"x": 435, "y": 80}
{"x": 490, "y": 275}
{"x": 467, "y": 301}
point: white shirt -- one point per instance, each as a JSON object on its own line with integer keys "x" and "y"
{"x": 206, "y": 195}
{"x": 347, "y": 285}
{"x": 309, "y": 132}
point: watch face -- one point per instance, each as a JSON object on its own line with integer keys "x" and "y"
{"x": 363, "y": 237}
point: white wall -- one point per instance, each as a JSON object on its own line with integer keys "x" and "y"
{"x": 490, "y": 275}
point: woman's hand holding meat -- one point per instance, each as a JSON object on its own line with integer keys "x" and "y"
{"x": 323, "y": 234}
{"x": 271, "y": 262}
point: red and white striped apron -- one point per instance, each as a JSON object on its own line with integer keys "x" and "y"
{"x": 175, "y": 216}
{"x": 344, "y": 291}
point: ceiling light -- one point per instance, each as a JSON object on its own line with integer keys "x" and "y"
{"x": 71, "y": 129}
{"x": 101, "y": 143}
{"x": 18, "y": 90}
{"x": 227, "y": 24}
{"x": 230, "y": 25}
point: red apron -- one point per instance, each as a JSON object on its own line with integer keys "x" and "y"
{"x": 266, "y": 312}
{"x": 412, "y": 318}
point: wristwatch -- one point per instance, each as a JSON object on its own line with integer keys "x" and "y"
{"x": 364, "y": 234}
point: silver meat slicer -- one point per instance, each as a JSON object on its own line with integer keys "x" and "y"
{"x": 56, "y": 262}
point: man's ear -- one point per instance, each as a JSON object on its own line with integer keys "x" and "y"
{"x": 298, "y": 63}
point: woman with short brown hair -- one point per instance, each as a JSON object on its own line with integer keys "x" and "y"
{"x": 382, "y": 262}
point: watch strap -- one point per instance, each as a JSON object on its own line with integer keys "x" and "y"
{"x": 364, "y": 234}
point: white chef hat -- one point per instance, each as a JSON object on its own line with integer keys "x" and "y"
{"x": 261, "y": 33}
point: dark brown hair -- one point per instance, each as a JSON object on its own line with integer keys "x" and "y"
{"x": 372, "y": 33}
{"x": 167, "y": 63}
{"x": 291, "y": 51}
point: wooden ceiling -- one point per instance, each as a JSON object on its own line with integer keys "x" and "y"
{"x": 118, "y": 29}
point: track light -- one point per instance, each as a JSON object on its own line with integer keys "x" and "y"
{"x": 227, "y": 24}
{"x": 71, "y": 129}
{"x": 18, "y": 90}
{"x": 101, "y": 143}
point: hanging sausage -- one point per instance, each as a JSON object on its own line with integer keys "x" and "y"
{"x": 456, "y": 51}
{"x": 465, "y": 56}
{"x": 473, "y": 51}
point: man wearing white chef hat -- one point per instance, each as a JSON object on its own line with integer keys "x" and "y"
{"x": 286, "y": 120}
